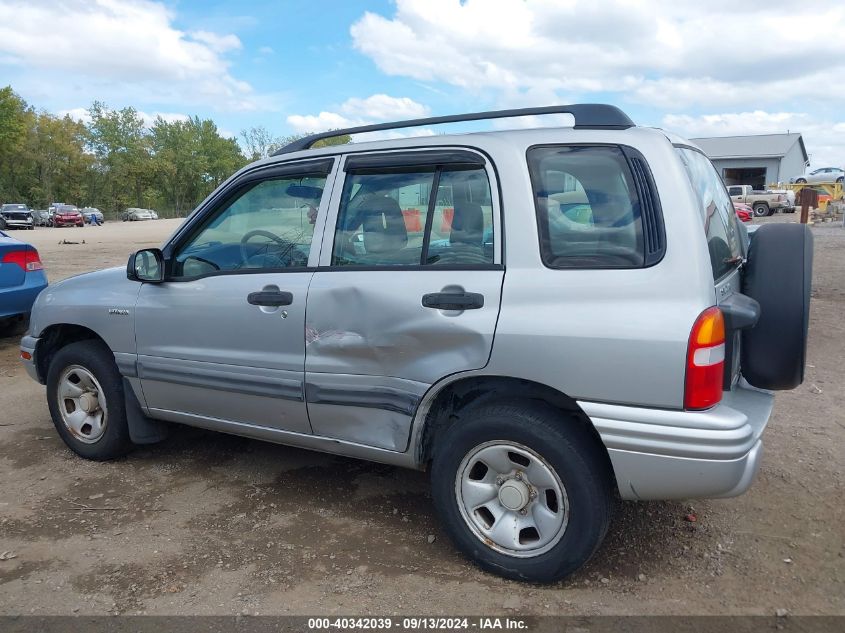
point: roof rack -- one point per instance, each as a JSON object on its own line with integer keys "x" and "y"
{"x": 591, "y": 116}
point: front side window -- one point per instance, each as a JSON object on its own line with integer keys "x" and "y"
{"x": 269, "y": 225}
{"x": 588, "y": 211}
{"x": 720, "y": 223}
{"x": 430, "y": 216}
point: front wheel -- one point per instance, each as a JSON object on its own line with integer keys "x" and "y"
{"x": 522, "y": 491}
{"x": 801, "y": 181}
{"x": 85, "y": 397}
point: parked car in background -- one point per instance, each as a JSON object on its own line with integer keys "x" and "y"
{"x": 16, "y": 216}
{"x": 763, "y": 202}
{"x": 743, "y": 212}
{"x": 68, "y": 215}
{"x": 89, "y": 212}
{"x": 136, "y": 214}
{"x": 824, "y": 197}
{"x": 21, "y": 277}
{"x": 822, "y": 174}
{"x": 42, "y": 217}
{"x": 790, "y": 199}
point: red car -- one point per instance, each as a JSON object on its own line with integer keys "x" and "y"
{"x": 68, "y": 215}
{"x": 744, "y": 212}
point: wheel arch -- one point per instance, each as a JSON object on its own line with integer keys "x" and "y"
{"x": 55, "y": 337}
{"x": 441, "y": 409}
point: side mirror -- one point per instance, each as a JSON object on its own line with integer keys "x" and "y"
{"x": 146, "y": 266}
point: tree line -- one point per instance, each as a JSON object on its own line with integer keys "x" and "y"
{"x": 115, "y": 160}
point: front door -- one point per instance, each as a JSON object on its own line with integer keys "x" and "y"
{"x": 222, "y": 339}
{"x": 407, "y": 291}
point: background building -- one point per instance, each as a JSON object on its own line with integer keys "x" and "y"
{"x": 757, "y": 160}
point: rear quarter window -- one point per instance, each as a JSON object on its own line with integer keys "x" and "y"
{"x": 720, "y": 222}
{"x": 588, "y": 208}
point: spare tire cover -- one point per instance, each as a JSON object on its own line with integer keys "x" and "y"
{"x": 778, "y": 274}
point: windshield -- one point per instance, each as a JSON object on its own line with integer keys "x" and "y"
{"x": 720, "y": 222}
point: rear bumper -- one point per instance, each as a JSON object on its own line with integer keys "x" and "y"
{"x": 19, "y": 299}
{"x": 662, "y": 454}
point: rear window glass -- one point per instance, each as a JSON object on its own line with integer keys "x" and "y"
{"x": 588, "y": 212}
{"x": 720, "y": 223}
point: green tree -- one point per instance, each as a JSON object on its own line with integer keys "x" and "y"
{"x": 16, "y": 121}
{"x": 191, "y": 159}
{"x": 119, "y": 141}
{"x": 57, "y": 160}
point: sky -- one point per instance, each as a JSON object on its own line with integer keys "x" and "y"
{"x": 713, "y": 68}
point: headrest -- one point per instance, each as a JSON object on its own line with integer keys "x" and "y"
{"x": 467, "y": 224}
{"x": 383, "y": 225}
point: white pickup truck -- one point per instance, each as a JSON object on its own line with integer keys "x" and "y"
{"x": 763, "y": 202}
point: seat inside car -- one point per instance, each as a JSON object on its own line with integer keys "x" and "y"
{"x": 384, "y": 232}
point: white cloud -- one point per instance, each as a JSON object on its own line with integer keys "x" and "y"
{"x": 266, "y": 50}
{"x": 129, "y": 45}
{"x": 356, "y": 111}
{"x": 824, "y": 139}
{"x": 668, "y": 53}
{"x": 77, "y": 114}
{"x": 217, "y": 43}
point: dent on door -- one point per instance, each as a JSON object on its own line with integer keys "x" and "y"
{"x": 373, "y": 349}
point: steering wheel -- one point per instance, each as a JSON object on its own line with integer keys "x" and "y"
{"x": 288, "y": 255}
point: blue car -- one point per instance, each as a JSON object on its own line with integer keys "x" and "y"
{"x": 22, "y": 277}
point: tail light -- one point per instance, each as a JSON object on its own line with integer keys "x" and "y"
{"x": 705, "y": 361}
{"x": 26, "y": 258}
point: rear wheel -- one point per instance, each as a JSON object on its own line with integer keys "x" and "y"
{"x": 522, "y": 491}
{"x": 85, "y": 396}
{"x": 761, "y": 209}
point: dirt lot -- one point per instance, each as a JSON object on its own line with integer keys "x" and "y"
{"x": 211, "y": 524}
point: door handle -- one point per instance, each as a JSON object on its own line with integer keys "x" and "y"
{"x": 270, "y": 298}
{"x": 453, "y": 300}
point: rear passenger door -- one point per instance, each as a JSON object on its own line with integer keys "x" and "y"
{"x": 407, "y": 290}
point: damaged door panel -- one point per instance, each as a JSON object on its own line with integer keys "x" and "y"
{"x": 373, "y": 349}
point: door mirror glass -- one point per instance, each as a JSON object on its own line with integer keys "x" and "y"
{"x": 146, "y": 265}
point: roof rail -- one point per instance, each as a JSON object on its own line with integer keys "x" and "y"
{"x": 592, "y": 116}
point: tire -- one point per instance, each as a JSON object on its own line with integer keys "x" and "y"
{"x": 761, "y": 209}
{"x": 573, "y": 457}
{"x": 2, "y": 224}
{"x": 840, "y": 179}
{"x": 779, "y": 277}
{"x": 801, "y": 181}
{"x": 74, "y": 361}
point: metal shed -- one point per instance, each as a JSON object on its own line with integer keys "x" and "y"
{"x": 756, "y": 160}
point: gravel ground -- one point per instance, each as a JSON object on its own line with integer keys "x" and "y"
{"x": 211, "y": 524}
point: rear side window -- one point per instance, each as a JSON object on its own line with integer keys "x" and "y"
{"x": 720, "y": 223}
{"x": 420, "y": 216}
{"x": 588, "y": 207}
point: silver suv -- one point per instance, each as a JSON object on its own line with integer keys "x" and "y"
{"x": 541, "y": 318}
